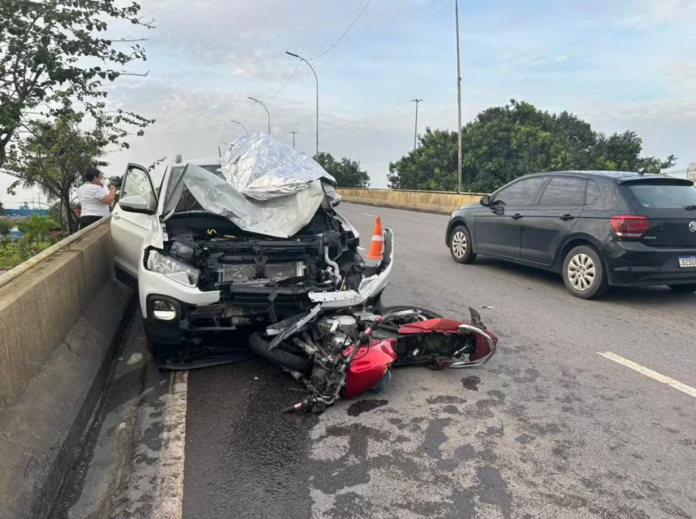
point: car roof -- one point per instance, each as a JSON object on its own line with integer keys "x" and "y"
{"x": 617, "y": 176}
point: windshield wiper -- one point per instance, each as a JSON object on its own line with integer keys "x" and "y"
{"x": 690, "y": 208}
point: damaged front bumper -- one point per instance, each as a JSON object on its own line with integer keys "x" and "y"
{"x": 370, "y": 287}
{"x": 204, "y": 312}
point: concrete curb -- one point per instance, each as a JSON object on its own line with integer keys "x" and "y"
{"x": 39, "y": 435}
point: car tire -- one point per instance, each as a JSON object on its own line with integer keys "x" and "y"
{"x": 683, "y": 289}
{"x": 288, "y": 360}
{"x": 161, "y": 351}
{"x": 584, "y": 274}
{"x": 461, "y": 245}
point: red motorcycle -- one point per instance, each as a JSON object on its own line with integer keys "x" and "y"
{"x": 345, "y": 355}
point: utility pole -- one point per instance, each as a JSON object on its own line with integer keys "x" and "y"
{"x": 459, "y": 102}
{"x": 415, "y": 134}
{"x": 293, "y": 138}
{"x": 267, "y": 112}
{"x": 317, "y": 82}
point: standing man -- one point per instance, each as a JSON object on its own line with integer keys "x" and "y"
{"x": 94, "y": 198}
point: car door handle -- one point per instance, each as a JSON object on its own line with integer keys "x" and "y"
{"x": 115, "y": 216}
{"x": 566, "y": 217}
{"x": 516, "y": 216}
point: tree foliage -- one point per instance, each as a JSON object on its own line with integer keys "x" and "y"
{"x": 54, "y": 155}
{"x": 36, "y": 229}
{"x": 346, "y": 172}
{"x": 54, "y": 53}
{"x": 504, "y": 143}
{"x": 5, "y": 226}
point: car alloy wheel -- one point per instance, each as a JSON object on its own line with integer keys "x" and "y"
{"x": 582, "y": 272}
{"x": 459, "y": 244}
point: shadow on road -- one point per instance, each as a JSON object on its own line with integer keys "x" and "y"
{"x": 657, "y": 294}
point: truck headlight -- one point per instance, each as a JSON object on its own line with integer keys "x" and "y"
{"x": 173, "y": 268}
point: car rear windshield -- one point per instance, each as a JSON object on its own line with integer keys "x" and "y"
{"x": 664, "y": 195}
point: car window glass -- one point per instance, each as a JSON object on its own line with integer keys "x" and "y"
{"x": 664, "y": 196}
{"x": 520, "y": 193}
{"x": 187, "y": 202}
{"x": 138, "y": 183}
{"x": 594, "y": 193}
{"x": 564, "y": 191}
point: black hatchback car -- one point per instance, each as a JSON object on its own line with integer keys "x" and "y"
{"x": 597, "y": 228}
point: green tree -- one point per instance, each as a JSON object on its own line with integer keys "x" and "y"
{"x": 5, "y": 226}
{"x": 432, "y": 166}
{"x": 504, "y": 143}
{"x": 346, "y": 172}
{"x": 54, "y": 155}
{"x": 36, "y": 229}
{"x": 56, "y": 52}
{"x": 2, "y": 209}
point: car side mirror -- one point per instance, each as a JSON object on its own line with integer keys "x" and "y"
{"x": 336, "y": 201}
{"x": 135, "y": 204}
{"x": 486, "y": 200}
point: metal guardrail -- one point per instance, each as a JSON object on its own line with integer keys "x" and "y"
{"x": 44, "y": 255}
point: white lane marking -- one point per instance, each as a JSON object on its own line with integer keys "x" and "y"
{"x": 362, "y": 249}
{"x": 650, "y": 373}
{"x": 368, "y": 214}
{"x": 169, "y": 494}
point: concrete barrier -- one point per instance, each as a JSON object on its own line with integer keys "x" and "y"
{"x": 440, "y": 202}
{"x": 60, "y": 321}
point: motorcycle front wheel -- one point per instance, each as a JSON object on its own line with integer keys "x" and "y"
{"x": 286, "y": 359}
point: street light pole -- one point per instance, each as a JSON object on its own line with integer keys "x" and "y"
{"x": 459, "y": 102}
{"x": 317, "y": 82}
{"x": 267, "y": 112}
{"x": 293, "y": 138}
{"x": 415, "y": 133}
{"x": 244, "y": 127}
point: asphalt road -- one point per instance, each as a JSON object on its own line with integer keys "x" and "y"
{"x": 547, "y": 429}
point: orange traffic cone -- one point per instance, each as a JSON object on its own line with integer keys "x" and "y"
{"x": 377, "y": 241}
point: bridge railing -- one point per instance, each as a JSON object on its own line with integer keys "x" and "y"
{"x": 60, "y": 316}
{"x": 441, "y": 202}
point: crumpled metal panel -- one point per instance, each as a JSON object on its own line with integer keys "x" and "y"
{"x": 261, "y": 167}
{"x": 281, "y": 216}
{"x": 155, "y": 236}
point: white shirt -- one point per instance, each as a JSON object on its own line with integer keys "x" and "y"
{"x": 89, "y": 194}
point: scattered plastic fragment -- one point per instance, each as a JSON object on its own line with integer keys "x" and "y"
{"x": 135, "y": 358}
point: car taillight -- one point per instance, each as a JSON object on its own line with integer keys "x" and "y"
{"x": 626, "y": 226}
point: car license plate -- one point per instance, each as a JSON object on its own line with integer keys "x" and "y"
{"x": 687, "y": 261}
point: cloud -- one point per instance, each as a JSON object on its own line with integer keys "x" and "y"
{"x": 642, "y": 14}
{"x": 624, "y": 64}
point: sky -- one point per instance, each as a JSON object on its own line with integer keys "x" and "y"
{"x": 619, "y": 64}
